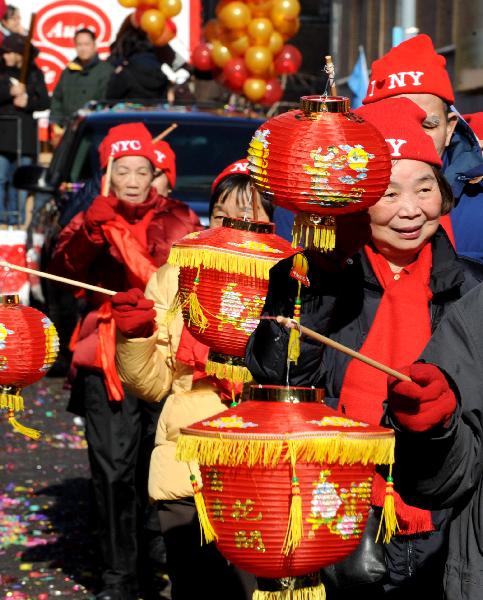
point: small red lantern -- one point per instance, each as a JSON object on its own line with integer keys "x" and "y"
{"x": 319, "y": 161}
{"x": 286, "y": 487}
{"x": 28, "y": 348}
{"x": 223, "y": 281}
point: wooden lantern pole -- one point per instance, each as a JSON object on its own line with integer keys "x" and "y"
{"x": 165, "y": 133}
{"x": 27, "y": 52}
{"x": 330, "y": 70}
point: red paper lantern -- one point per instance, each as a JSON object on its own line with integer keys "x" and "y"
{"x": 223, "y": 281}
{"x": 319, "y": 161}
{"x": 28, "y": 348}
{"x": 286, "y": 487}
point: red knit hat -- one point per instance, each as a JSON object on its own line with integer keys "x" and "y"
{"x": 239, "y": 167}
{"x": 475, "y": 121}
{"x": 129, "y": 139}
{"x": 166, "y": 160}
{"x": 401, "y": 123}
{"x": 413, "y": 67}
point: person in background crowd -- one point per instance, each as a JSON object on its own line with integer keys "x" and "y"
{"x": 138, "y": 74}
{"x": 18, "y": 102}
{"x": 84, "y": 79}
{"x": 385, "y": 301}
{"x": 11, "y": 21}
{"x": 118, "y": 242}
{"x": 475, "y": 121}
{"x": 161, "y": 362}
{"x": 165, "y": 179}
{"x": 414, "y": 70}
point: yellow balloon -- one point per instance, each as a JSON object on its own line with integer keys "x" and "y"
{"x": 152, "y": 21}
{"x": 170, "y": 8}
{"x": 260, "y": 8}
{"x": 258, "y": 59}
{"x": 275, "y": 43}
{"x": 240, "y": 46}
{"x": 287, "y": 27}
{"x": 128, "y": 3}
{"x": 220, "y": 54}
{"x": 212, "y": 30}
{"x": 260, "y": 31}
{"x": 254, "y": 89}
{"x": 290, "y": 9}
{"x": 234, "y": 15}
{"x": 148, "y": 3}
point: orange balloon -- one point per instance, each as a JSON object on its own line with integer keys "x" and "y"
{"x": 240, "y": 46}
{"x": 258, "y": 59}
{"x": 169, "y": 33}
{"x": 290, "y": 9}
{"x": 234, "y": 15}
{"x": 254, "y": 89}
{"x": 260, "y": 8}
{"x": 170, "y": 8}
{"x": 220, "y": 54}
{"x": 287, "y": 27}
{"x": 221, "y": 4}
{"x": 275, "y": 43}
{"x": 128, "y": 3}
{"x": 212, "y": 30}
{"x": 144, "y": 3}
{"x": 260, "y": 31}
{"x": 152, "y": 21}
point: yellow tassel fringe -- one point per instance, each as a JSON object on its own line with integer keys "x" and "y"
{"x": 196, "y": 315}
{"x": 241, "y": 264}
{"x": 295, "y": 525}
{"x": 34, "y": 434}
{"x": 204, "y": 519}
{"x": 388, "y": 516}
{"x": 308, "y": 593}
{"x": 235, "y": 373}
{"x": 229, "y": 451}
{"x": 294, "y": 338}
{"x": 11, "y": 402}
{"x": 315, "y": 235}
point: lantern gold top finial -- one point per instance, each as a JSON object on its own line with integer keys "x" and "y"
{"x": 313, "y": 105}
{"x": 9, "y": 299}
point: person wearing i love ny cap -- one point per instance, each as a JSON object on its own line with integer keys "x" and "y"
{"x": 415, "y": 70}
{"x": 382, "y": 291}
{"x": 117, "y": 243}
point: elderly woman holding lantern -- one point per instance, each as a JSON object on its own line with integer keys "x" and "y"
{"x": 385, "y": 300}
{"x": 117, "y": 243}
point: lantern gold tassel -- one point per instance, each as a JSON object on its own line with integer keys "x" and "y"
{"x": 235, "y": 373}
{"x": 388, "y": 516}
{"x": 34, "y": 434}
{"x": 206, "y": 526}
{"x": 196, "y": 315}
{"x": 295, "y": 525}
{"x": 308, "y": 593}
{"x": 315, "y": 231}
{"x": 294, "y": 339}
{"x": 13, "y": 402}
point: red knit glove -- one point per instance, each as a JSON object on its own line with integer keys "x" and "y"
{"x": 133, "y": 313}
{"x": 103, "y": 209}
{"x": 424, "y": 402}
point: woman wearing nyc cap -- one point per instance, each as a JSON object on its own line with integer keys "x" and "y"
{"x": 385, "y": 300}
{"x": 160, "y": 361}
{"x": 117, "y": 243}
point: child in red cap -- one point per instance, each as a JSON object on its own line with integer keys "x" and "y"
{"x": 475, "y": 121}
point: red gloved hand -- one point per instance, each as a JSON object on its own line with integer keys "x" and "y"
{"x": 133, "y": 313}
{"x": 424, "y": 402}
{"x": 103, "y": 209}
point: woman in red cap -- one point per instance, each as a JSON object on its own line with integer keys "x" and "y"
{"x": 160, "y": 361}
{"x": 385, "y": 301}
{"x": 117, "y": 243}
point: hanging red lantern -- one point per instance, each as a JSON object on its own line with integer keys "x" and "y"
{"x": 286, "y": 487}
{"x": 223, "y": 281}
{"x": 28, "y": 348}
{"x": 319, "y": 161}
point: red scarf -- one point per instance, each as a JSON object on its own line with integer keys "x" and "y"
{"x": 400, "y": 331}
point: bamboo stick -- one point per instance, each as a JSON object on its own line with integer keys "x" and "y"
{"x": 165, "y": 133}
{"x": 290, "y": 324}
{"x": 106, "y": 186}
{"x": 330, "y": 70}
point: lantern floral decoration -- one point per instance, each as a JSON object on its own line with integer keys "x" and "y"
{"x": 319, "y": 161}
{"x": 28, "y": 348}
{"x": 223, "y": 280}
{"x": 285, "y": 488}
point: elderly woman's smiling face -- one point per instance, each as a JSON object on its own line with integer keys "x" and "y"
{"x": 131, "y": 178}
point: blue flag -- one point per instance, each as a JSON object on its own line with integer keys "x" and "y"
{"x": 359, "y": 79}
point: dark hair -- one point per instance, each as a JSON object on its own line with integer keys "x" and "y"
{"x": 87, "y": 31}
{"x": 447, "y": 199}
{"x": 242, "y": 185}
{"x": 130, "y": 40}
{"x": 11, "y": 10}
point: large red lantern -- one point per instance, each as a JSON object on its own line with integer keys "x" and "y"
{"x": 28, "y": 348}
{"x": 319, "y": 161}
{"x": 223, "y": 281}
{"x": 286, "y": 487}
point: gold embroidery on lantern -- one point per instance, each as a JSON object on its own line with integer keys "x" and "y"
{"x": 250, "y": 540}
{"x": 244, "y": 511}
{"x": 243, "y": 314}
{"x": 216, "y": 483}
{"x": 217, "y": 510}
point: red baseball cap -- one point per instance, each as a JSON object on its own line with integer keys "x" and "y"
{"x": 475, "y": 121}
{"x": 239, "y": 167}
{"x": 400, "y": 121}
{"x": 413, "y": 67}
{"x": 166, "y": 160}
{"x": 129, "y": 139}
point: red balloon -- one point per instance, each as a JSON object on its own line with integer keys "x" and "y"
{"x": 201, "y": 58}
{"x": 288, "y": 61}
{"x": 138, "y": 13}
{"x": 235, "y": 73}
{"x": 273, "y": 93}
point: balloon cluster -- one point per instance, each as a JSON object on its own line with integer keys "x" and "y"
{"x": 246, "y": 43}
{"x": 154, "y": 17}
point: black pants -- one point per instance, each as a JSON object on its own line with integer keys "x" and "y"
{"x": 120, "y": 439}
{"x": 195, "y": 570}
